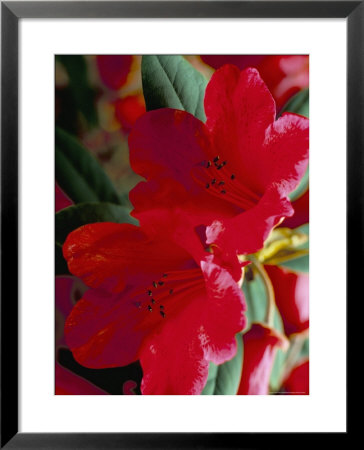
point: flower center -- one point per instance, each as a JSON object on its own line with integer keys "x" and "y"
{"x": 161, "y": 295}
{"x": 217, "y": 177}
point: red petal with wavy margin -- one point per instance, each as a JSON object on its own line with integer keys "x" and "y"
{"x": 291, "y": 296}
{"x": 297, "y": 382}
{"x": 260, "y": 346}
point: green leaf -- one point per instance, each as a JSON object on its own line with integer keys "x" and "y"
{"x": 60, "y": 263}
{"x": 169, "y": 81}
{"x": 255, "y": 296}
{"x": 298, "y": 265}
{"x": 79, "y": 174}
{"x": 82, "y": 93}
{"x": 298, "y": 104}
{"x": 68, "y": 219}
{"x": 280, "y": 358}
{"x": 305, "y": 351}
{"x": 225, "y": 378}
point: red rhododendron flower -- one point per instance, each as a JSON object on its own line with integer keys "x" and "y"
{"x": 153, "y": 302}
{"x": 68, "y": 383}
{"x": 297, "y": 382}
{"x": 284, "y": 75}
{"x": 129, "y": 109}
{"x": 114, "y": 69}
{"x": 260, "y": 346}
{"x": 232, "y": 175}
{"x": 291, "y": 296}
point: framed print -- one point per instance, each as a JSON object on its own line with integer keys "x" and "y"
{"x": 203, "y": 160}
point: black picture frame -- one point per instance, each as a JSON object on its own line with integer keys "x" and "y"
{"x": 11, "y": 12}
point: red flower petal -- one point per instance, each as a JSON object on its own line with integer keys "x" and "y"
{"x": 107, "y": 330}
{"x": 114, "y": 69}
{"x": 162, "y": 300}
{"x": 260, "y": 345}
{"x": 239, "y": 108}
{"x": 246, "y": 232}
{"x": 68, "y": 383}
{"x": 165, "y": 145}
{"x": 129, "y": 109}
{"x": 172, "y": 359}
{"x": 223, "y": 315}
{"x": 198, "y": 176}
{"x": 240, "y": 61}
{"x": 291, "y": 296}
{"x": 163, "y": 205}
{"x": 285, "y": 152}
{"x": 301, "y": 214}
{"x": 297, "y": 382}
{"x": 284, "y": 75}
{"x": 168, "y": 143}
{"x": 101, "y": 330}
{"x": 106, "y": 255}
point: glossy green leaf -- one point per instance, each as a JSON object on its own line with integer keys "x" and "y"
{"x": 79, "y": 174}
{"x": 255, "y": 296}
{"x": 169, "y": 81}
{"x": 68, "y": 219}
{"x": 298, "y": 265}
{"x": 83, "y": 94}
{"x": 60, "y": 263}
{"x": 298, "y": 104}
{"x": 225, "y": 378}
{"x": 305, "y": 351}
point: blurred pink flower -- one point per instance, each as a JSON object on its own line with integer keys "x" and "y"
{"x": 284, "y": 75}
